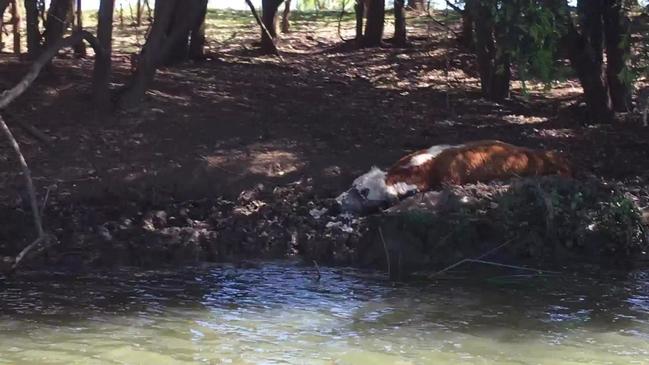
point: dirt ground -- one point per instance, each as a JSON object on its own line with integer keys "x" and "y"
{"x": 321, "y": 117}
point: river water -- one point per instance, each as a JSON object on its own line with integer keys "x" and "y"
{"x": 278, "y": 313}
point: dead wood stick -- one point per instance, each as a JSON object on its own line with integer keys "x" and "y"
{"x": 264, "y": 29}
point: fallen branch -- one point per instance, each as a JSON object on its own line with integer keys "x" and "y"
{"x": 9, "y": 96}
{"x": 38, "y": 222}
{"x": 264, "y": 29}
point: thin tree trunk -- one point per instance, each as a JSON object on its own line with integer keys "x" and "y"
{"x": 57, "y": 20}
{"x": 138, "y": 13}
{"x": 269, "y": 10}
{"x": 466, "y": 37}
{"x": 32, "y": 29}
{"x": 375, "y": 22}
{"x": 15, "y": 23}
{"x": 79, "y": 49}
{"x": 586, "y": 57}
{"x": 359, "y": 10}
{"x": 618, "y": 49}
{"x": 493, "y": 61}
{"x": 197, "y": 37}
{"x": 400, "y": 32}
{"x": 286, "y": 25}
{"x": 102, "y": 71}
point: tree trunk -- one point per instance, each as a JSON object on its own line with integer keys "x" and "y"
{"x": 359, "y": 11}
{"x": 586, "y": 57}
{"x": 269, "y": 10}
{"x": 186, "y": 29}
{"x": 15, "y": 23}
{"x": 102, "y": 70}
{"x": 466, "y": 37}
{"x": 32, "y": 29}
{"x": 417, "y": 4}
{"x": 618, "y": 49}
{"x": 400, "y": 35}
{"x": 286, "y": 25}
{"x": 57, "y": 20}
{"x": 79, "y": 49}
{"x": 138, "y": 13}
{"x": 197, "y": 37}
{"x": 375, "y": 21}
{"x": 159, "y": 44}
{"x": 493, "y": 61}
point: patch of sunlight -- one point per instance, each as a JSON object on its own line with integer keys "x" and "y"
{"x": 274, "y": 163}
{"x": 557, "y": 133}
{"x": 524, "y": 119}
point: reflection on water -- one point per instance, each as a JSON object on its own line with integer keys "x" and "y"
{"x": 278, "y": 314}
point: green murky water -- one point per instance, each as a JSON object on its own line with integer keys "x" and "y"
{"x": 278, "y": 314}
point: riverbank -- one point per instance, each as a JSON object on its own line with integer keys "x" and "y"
{"x": 237, "y": 156}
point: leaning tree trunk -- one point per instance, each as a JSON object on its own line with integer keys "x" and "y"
{"x": 493, "y": 60}
{"x": 102, "y": 71}
{"x": 400, "y": 33}
{"x": 359, "y": 11}
{"x": 618, "y": 49}
{"x": 57, "y": 20}
{"x": 373, "y": 36}
{"x": 159, "y": 45}
{"x": 286, "y": 25}
{"x": 32, "y": 29}
{"x": 268, "y": 13}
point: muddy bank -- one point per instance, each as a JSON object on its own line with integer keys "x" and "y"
{"x": 545, "y": 222}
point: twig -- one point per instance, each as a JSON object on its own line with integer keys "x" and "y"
{"x": 454, "y": 7}
{"x": 387, "y": 253}
{"x": 317, "y": 269}
{"x": 491, "y": 251}
{"x": 513, "y": 266}
{"x": 264, "y": 29}
{"x": 45, "y": 199}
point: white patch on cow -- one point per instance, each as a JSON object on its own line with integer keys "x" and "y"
{"x": 400, "y": 189}
{"x": 431, "y": 153}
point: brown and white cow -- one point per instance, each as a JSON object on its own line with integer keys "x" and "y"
{"x": 429, "y": 169}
